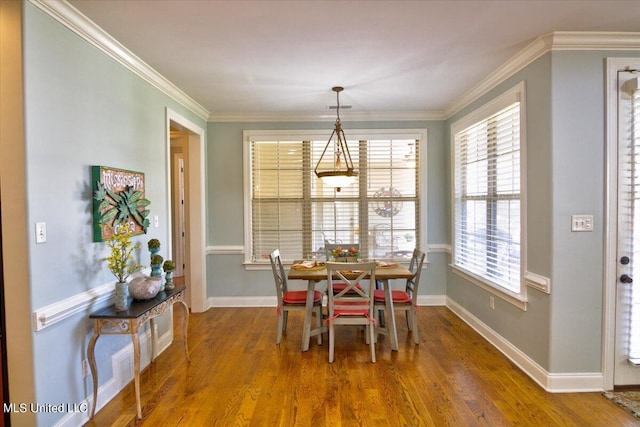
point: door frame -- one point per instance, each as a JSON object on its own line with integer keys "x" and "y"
{"x": 610, "y": 279}
{"x": 195, "y": 274}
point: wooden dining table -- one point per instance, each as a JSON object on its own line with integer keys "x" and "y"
{"x": 315, "y": 275}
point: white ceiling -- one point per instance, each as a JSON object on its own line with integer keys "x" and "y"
{"x": 283, "y": 57}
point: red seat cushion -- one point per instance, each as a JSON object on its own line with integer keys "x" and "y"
{"x": 300, "y": 297}
{"x": 396, "y": 296}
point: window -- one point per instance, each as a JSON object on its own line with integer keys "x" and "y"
{"x": 289, "y": 207}
{"x": 488, "y": 196}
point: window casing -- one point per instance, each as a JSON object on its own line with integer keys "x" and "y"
{"x": 488, "y": 199}
{"x": 288, "y": 207}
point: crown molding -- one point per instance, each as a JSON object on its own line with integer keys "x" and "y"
{"x": 350, "y": 116}
{"x": 558, "y": 40}
{"x": 75, "y": 21}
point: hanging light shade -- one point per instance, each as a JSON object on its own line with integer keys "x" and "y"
{"x": 342, "y": 172}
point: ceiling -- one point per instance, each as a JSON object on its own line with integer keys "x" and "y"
{"x": 283, "y": 57}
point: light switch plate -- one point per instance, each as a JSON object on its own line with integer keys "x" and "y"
{"x": 41, "y": 232}
{"x": 581, "y": 222}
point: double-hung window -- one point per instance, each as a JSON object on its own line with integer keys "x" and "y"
{"x": 289, "y": 208}
{"x": 488, "y": 195}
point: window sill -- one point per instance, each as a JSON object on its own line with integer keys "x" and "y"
{"x": 512, "y": 298}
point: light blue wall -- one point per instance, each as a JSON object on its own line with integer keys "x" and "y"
{"x": 579, "y": 147}
{"x": 565, "y": 155}
{"x": 227, "y": 277}
{"x": 82, "y": 109}
{"x": 529, "y": 331}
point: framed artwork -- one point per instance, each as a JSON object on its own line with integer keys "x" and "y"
{"x": 118, "y": 201}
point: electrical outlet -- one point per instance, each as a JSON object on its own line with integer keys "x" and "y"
{"x": 85, "y": 368}
{"x": 492, "y": 303}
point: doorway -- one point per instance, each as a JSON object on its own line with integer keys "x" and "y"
{"x": 185, "y": 166}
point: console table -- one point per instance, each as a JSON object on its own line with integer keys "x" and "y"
{"x": 108, "y": 321}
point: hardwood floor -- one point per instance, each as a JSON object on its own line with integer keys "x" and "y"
{"x": 239, "y": 377}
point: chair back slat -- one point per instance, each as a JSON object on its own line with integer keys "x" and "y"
{"x": 279, "y": 276}
{"x": 415, "y": 266}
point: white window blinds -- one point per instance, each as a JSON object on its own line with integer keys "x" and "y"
{"x": 293, "y": 211}
{"x": 629, "y": 208}
{"x": 487, "y": 228}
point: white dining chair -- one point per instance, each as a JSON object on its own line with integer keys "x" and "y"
{"x": 352, "y": 305}
{"x": 291, "y": 300}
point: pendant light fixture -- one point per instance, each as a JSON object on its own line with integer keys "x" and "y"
{"x": 342, "y": 173}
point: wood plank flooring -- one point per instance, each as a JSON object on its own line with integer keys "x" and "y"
{"x": 239, "y": 377}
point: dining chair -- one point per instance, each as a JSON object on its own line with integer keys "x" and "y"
{"x": 352, "y": 305}
{"x": 404, "y": 300}
{"x": 291, "y": 300}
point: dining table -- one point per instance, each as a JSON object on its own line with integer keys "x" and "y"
{"x": 385, "y": 272}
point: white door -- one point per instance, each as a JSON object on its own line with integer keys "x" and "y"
{"x": 627, "y": 346}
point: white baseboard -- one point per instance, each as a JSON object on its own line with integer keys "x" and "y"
{"x": 122, "y": 369}
{"x": 551, "y": 382}
{"x": 242, "y": 302}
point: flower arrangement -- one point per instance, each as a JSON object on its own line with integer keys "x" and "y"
{"x": 352, "y": 252}
{"x": 120, "y": 261}
{"x": 156, "y": 259}
{"x": 169, "y": 265}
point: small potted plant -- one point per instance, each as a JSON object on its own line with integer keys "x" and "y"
{"x": 154, "y": 246}
{"x": 122, "y": 264}
{"x": 169, "y": 266}
{"x": 156, "y": 265}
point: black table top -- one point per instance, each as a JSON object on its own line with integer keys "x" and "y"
{"x": 136, "y": 307}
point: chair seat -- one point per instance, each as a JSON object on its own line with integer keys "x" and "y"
{"x": 396, "y": 296}
{"x": 300, "y": 297}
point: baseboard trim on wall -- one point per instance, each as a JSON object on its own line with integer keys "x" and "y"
{"x": 551, "y": 382}
{"x": 122, "y": 369}
{"x": 242, "y": 301}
